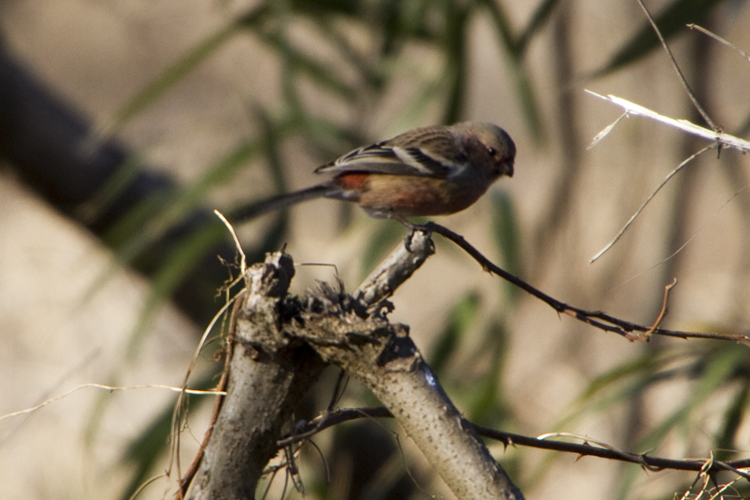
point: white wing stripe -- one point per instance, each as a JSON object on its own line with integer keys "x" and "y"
{"x": 406, "y": 157}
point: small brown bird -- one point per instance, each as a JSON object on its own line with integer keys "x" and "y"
{"x": 435, "y": 170}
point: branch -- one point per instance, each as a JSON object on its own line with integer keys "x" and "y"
{"x": 715, "y": 134}
{"x": 281, "y": 344}
{"x": 269, "y": 373}
{"x": 720, "y": 40}
{"x": 273, "y": 363}
{"x": 648, "y": 200}
{"x": 330, "y": 419}
{"x": 597, "y": 319}
{"x": 383, "y": 358}
{"x": 684, "y": 82}
{"x": 723, "y": 139}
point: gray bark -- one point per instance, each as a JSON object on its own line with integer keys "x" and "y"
{"x": 282, "y": 343}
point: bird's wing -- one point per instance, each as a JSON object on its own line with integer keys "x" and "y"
{"x": 386, "y": 158}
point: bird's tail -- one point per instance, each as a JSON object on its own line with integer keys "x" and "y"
{"x": 281, "y": 202}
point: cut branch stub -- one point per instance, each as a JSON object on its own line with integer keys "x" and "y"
{"x": 268, "y": 376}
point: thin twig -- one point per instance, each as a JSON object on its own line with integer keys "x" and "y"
{"x": 329, "y": 419}
{"x": 724, "y": 139}
{"x": 719, "y": 139}
{"x": 186, "y": 480}
{"x": 597, "y": 319}
{"x": 648, "y": 200}
{"x": 677, "y": 69}
{"x": 715, "y": 134}
{"x": 601, "y": 450}
{"x": 687, "y": 242}
{"x": 110, "y": 388}
{"x": 177, "y": 413}
{"x": 604, "y": 133}
{"x": 721, "y": 40}
{"x": 237, "y": 244}
{"x": 664, "y": 309}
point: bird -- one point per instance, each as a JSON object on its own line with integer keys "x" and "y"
{"x": 427, "y": 171}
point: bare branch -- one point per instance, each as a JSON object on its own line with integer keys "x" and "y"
{"x": 383, "y": 358}
{"x": 280, "y": 345}
{"x": 664, "y": 308}
{"x": 588, "y": 448}
{"x": 724, "y": 139}
{"x": 269, "y": 373}
{"x": 720, "y": 40}
{"x": 648, "y": 200}
{"x": 597, "y": 319}
{"x": 395, "y": 269}
{"x": 684, "y": 82}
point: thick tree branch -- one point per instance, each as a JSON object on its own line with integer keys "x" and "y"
{"x": 272, "y": 340}
{"x": 269, "y": 373}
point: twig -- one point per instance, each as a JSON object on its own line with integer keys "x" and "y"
{"x": 663, "y": 311}
{"x": 597, "y": 319}
{"x": 605, "y": 132}
{"x": 724, "y": 139}
{"x": 677, "y": 69}
{"x": 609, "y": 452}
{"x": 601, "y": 450}
{"x": 329, "y": 419}
{"x": 237, "y": 244}
{"x": 721, "y": 40}
{"x": 719, "y": 139}
{"x": 110, "y": 388}
{"x": 687, "y": 242}
{"x": 177, "y": 413}
{"x": 187, "y": 478}
{"x": 648, "y": 200}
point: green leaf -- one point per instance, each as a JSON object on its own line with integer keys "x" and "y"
{"x": 144, "y": 452}
{"x": 323, "y": 75}
{"x": 616, "y": 387}
{"x": 272, "y": 149}
{"x": 507, "y": 37}
{"x": 734, "y": 416}
{"x": 177, "y": 71}
{"x": 113, "y": 188}
{"x": 163, "y": 211}
{"x": 174, "y": 74}
{"x": 327, "y": 7}
{"x": 186, "y": 254}
{"x": 169, "y": 260}
{"x": 718, "y": 368}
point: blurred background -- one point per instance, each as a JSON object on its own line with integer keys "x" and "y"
{"x": 124, "y": 123}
